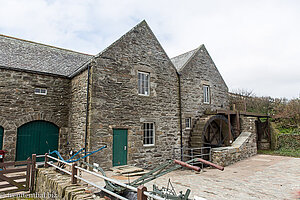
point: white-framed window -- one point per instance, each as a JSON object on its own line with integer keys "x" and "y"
{"x": 206, "y": 94}
{"x": 149, "y": 134}
{"x": 188, "y": 123}
{"x": 41, "y": 91}
{"x": 144, "y": 83}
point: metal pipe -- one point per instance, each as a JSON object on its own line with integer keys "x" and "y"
{"x": 61, "y": 169}
{"x": 187, "y": 165}
{"x": 108, "y": 179}
{"x": 210, "y": 164}
{"x": 87, "y": 112}
{"x": 101, "y": 188}
{"x": 59, "y": 160}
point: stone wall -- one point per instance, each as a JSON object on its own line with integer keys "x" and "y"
{"x": 199, "y": 71}
{"x": 50, "y": 184}
{"x": 19, "y": 104}
{"x": 248, "y": 124}
{"x": 243, "y": 147}
{"x": 117, "y": 104}
{"x": 77, "y": 115}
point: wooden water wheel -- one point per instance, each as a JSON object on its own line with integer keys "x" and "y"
{"x": 215, "y": 132}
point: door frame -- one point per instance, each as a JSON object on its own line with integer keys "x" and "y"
{"x": 113, "y": 143}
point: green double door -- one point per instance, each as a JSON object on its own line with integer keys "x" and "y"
{"x": 37, "y": 137}
{"x": 120, "y": 147}
{"x": 1, "y": 136}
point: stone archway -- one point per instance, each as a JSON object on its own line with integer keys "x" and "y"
{"x": 36, "y": 137}
{"x": 38, "y": 116}
{"x": 11, "y": 128}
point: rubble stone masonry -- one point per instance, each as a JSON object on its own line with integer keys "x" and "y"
{"x": 199, "y": 71}
{"x": 117, "y": 104}
{"x": 20, "y": 105}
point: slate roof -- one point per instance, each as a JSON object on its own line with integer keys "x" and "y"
{"x": 181, "y": 60}
{"x": 31, "y": 56}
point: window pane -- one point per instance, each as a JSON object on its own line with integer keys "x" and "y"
{"x": 140, "y": 83}
{"x": 148, "y": 129}
{"x": 187, "y": 123}
{"x": 146, "y": 84}
{"x": 37, "y": 90}
{"x": 206, "y": 95}
{"x": 143, "y": 83}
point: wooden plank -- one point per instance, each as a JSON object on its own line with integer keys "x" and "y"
{"x": 14, "y": 170}
{"x": 15, "y": 178}
{"x": 238, "y": 122}
{"x": 229, "y": 128}
{"x": 28, "y": 174}
{"x": 127, "y": 170}
{"x": 10, "y": 185}
{"x": 12, "y": 182}
{"x": 5, "y": 164}
{"x": 12, "y": 191}
{"x": 135, "y": 174}
{"x": 32, "y": 175}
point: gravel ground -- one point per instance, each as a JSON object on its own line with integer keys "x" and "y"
{"x": 258, "y": 177}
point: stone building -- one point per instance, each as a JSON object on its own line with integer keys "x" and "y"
{"x": 131, "y": 97}
{"x": 201, "y": 87}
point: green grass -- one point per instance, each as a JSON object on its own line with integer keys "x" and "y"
{"x": 282, "y": 152}
{"x": 283, "y": 130}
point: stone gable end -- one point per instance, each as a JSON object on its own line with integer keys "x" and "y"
{"x": 117, "y": 104}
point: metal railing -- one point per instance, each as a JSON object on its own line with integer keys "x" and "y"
{"x": 192, "y": 153}
{"x": 141, "y": 190}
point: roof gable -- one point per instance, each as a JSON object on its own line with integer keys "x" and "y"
{"x": 141, "y": 31}
{"x": 31, "y": 56}
{"x": 181, "y": 60}
{"x": 200, "y": 51}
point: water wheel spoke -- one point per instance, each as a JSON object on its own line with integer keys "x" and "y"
{"x": 222, "y": 141}
{"x": 214, "y": 136}
{"x": 214, "y": 131}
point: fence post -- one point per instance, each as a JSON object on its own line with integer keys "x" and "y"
{"x": 32, "y": 172}
{"x": 140, "y": 193}
{"x": 28, "y": 172}
{"x": 74, "y": 173}
{"x": 46, "y": 160}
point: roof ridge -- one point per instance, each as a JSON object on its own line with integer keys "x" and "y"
{"x": 120, "y": 38}
{"x": 47, "y": 45}
{"x": 183, "y": 59}
{"x": 187, "y": 52}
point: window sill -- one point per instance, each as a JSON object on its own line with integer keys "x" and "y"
{"x": 149, "y": 145}
{"x": 144, "y": 95}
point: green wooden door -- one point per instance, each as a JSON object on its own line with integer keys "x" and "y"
{"x": 37, "y": 137}
{"x": 119, "y": 147}
{"x": 1, "y": 137}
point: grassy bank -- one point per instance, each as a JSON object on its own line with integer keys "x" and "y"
{"x": 281, "y": 152}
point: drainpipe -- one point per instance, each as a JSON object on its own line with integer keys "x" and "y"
{"x": 180, "y": 117}
{"x": 87, "y": 112}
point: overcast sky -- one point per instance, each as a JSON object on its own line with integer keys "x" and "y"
{"x": 254, "y": 43}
